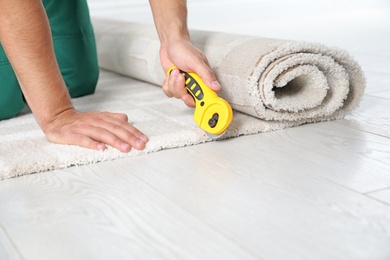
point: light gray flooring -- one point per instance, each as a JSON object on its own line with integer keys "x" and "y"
{"x": 319, "y": 191}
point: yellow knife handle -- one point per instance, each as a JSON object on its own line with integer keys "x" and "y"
{"x": 212, "y": 113}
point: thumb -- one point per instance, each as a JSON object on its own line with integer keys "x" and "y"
{"x": 208, "y": 77}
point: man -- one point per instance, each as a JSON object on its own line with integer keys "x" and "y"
{"x": 51, "y": 56}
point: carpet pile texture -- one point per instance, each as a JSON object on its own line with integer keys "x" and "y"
{"x": 271, "y": 84}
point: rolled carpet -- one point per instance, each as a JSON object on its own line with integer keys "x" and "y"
{"x": 286, "y": 81}
{"x": 271, "y": 84}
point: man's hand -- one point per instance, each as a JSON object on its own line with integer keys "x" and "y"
{"x": 95, "y": 130}
{"x": 188, "y": 58}
{"x": 170, "y": 18}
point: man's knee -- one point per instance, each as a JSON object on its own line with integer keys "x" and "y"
{"x": 84, "y": 83}
{"x": 74, "y": 44}
{"x": 84, "y": 78}
{"x": 78, "y": 63}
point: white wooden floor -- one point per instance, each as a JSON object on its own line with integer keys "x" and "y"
{"x": 318, "y": 191}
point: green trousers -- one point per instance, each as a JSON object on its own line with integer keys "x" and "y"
{"x": 75, "y": 49}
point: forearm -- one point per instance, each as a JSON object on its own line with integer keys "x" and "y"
{"x": 26, "y": 38}
{"x": 170, "y": 18}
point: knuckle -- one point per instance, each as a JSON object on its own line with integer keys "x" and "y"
{"x": 118, "y": 127}
{"x": 81, "y": 124}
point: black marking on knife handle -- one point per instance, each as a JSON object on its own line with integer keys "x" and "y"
{"x": 193, "y": 86}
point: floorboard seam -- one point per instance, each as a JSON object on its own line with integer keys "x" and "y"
{"x": 238, "y": 243}
{"x": 378, "y": 190}
{"x": 13, "y": 244}
{"x": 379, "y": 200}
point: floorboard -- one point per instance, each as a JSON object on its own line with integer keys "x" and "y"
{"x": 382, "y": 94}
{"x": 8, "y": 249}
{"x": 270, "y": 203}
{"x": 382, "y": 195}
{"x": 372, "y": 115}
{"x": 102, "y": 212}
{"x": 377, "y": 82}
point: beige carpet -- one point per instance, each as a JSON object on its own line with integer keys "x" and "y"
{"x": 271, "y": 84}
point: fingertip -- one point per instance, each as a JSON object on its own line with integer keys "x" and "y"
{"x": 208, "y": 77}
{"x": 124, "y": 147}
{"x": 214, "y": 85}
{"x": 179, "y": 87}
{"x": 143, "y": 138}
{"x": 175, "y": 72}
{"x": 139, "y": 144}
{"x": 179, "y": 78}
{"x": 189, "y": 101}
{"x": 101, "y": 147}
